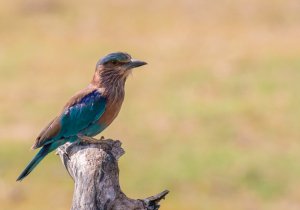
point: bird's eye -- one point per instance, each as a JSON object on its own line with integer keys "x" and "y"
{"x": 114, "y": 62}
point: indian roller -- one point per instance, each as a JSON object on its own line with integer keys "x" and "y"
{"x": 90, "y": 110}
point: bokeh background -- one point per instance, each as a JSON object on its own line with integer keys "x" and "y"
{"x": 214, "y": 117}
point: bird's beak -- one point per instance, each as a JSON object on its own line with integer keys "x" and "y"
{"x": 135, "y": 63}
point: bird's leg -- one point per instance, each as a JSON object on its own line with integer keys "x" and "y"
{"x": 87, "y": 139}
{"x": 102, "y": 138}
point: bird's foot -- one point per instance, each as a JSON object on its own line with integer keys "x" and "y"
{"x": 87, "y": 139}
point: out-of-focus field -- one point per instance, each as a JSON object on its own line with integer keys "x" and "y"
{"x": 214, "y": 117}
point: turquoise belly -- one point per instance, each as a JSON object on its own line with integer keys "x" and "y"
{"x": 93, "y": 129}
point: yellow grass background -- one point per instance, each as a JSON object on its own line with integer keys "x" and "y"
{"x": 214, "y": 117}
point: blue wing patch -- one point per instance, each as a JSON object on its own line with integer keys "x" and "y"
{"x": 82, "y": 114}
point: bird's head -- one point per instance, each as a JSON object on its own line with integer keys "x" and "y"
{"x": 117, "y": 65}
{"x": 112, "y": 72}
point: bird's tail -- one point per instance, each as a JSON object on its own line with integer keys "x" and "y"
{"x": 37, "y": 158}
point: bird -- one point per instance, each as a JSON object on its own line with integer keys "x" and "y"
{"x": 90, "y": 110}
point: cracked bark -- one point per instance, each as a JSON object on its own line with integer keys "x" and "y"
{"x": 94, "y": 169}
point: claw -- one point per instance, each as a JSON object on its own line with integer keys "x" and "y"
{"x": 87, "y": 139}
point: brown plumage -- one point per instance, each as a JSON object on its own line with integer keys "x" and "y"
{"x": 90, "y": 110}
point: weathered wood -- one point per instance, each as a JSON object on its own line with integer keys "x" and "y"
{"x": 94, "y": 169}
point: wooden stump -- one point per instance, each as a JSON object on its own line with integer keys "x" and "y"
{"x": 94, "y": 169}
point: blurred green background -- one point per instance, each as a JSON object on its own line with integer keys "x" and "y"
{"x": 214, "y": 117}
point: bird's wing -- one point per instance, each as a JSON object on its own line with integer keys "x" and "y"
{"x": 82, "y": 110}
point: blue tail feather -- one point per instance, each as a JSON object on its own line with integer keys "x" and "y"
{"x": 37, "y": 158}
